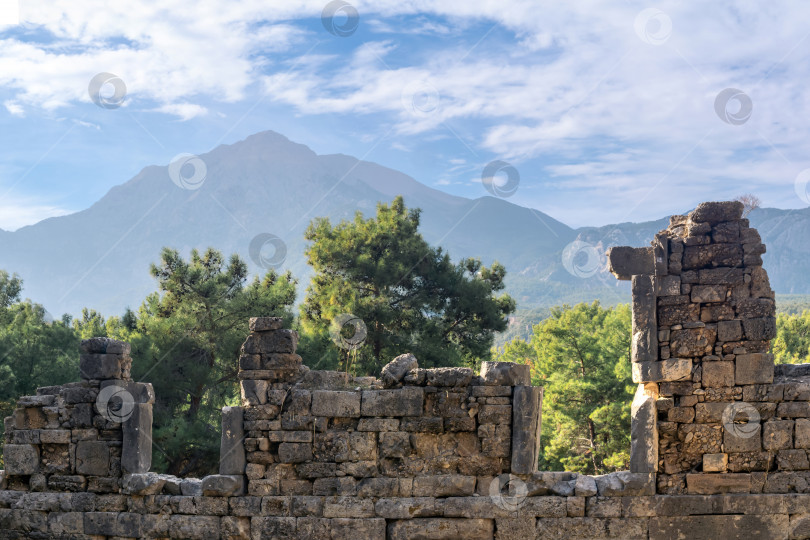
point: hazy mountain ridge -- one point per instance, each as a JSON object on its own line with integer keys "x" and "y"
{"x": 99, "y": 257}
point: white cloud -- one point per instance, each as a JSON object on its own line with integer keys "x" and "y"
{"x": 615, "y": 120}
{"x": 16, "y": 213}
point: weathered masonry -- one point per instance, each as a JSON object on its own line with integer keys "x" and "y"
{"x": 719, "y": 435}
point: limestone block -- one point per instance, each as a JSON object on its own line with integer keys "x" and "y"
{"x": 802, "y": 435}
{"x": 441, "y": 529}
{"x": 760, "y": 329}
{"x": 693, "y": 342}
{"x": 625, "y": 262}
{"x": 336, "y": 404}
{"x": 101, "y": 366}
{"x": 757, "y": 368}
{"x": 136, "y": 452}
{"x": 710, "y": 484}
{"x": 254, "y": 392}
{"x": 448, "y": 376}
{"x": 444, "y": 485}
{"x": 669, "y": 286}
{"x": 265, "y": 324}
{"x": 396, "y": 369}
{"x": 104, "y": 345}
{"x": 777, "y": 435}
{"x": 625, "y": 484}
{"x": 718, "y": 374}
{"x": 223, "y": 485}
{"x": 232, "y": 445}
{"x": 643, "y": 432}
{"x": 792, "y": 460}
{"x": 505, "y": 374}
{"x": 93, "y": 458}
{"x": 715, "y": 463}
{"x": 275, "y": 341}
{"x": 729, "y": 330}
{"x": 143, "y": 483}
{"x": 716, "y": 212}
{"x": 527, "y": 414}
{"x": 21, "y": 459}
{"x": 711, "y": 256}
{"x": 672, "y": 369}
{"x": 408, "y": 401}
{"x": 708, "y": 293}
{"x": 669, "y": 315}
{"x": 294, "y": 452}
{"x": 644, "y": 344}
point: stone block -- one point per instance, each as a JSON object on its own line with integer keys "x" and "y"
{"x": 254, "y": 392}
{"x": 21, "y": 459}
{"x": 757, "y": 368}
{"x": 444, "y": 485}
{"x": 625, "y": 262}
{"x": 93, "y": 458}
{"x": 223, "y": 485}
{"x": 760, "y": 329}
{"x": 794, "y": 409}
{"x": 742, "y": 438}
{"x": 136, "y": 451}
{"x": 693, "y": 342}
{"x": 802, "y": 433}
{"x": 710, "y": 484}
{"x": 711, "y": 256}
{"x": 265, "y": 324}
{"x": 232, "y": 459}
{"x": 721, "y": 276}
{"x": 527, "y": 410}
{"x": 336, "y": 404}
{"x": 672, "y": 369}
{"x": 777, "y": 435}
{"x": 101, "y": 366}
{"x": 729, "y": 330}
{"x": 643, "y": 432}
{"x": 505, "y": 374}
{"x": 715, "y": 463}
{"x": 408, "y": 401}
{"x": 718, "y": 374}
{"x": 792, "y": 460}
{"x": 448, "y": 376}
{"x": 735, "y": 527}
{"x": 644, "y": 339}
{"x": 143, "y": 483}
{"x": 395, "y": 370}
{"x": 669, "y": 286}
{"x": 625, "y": 484}
{"x": 717, "y": 212}
{"x": 678, "y": 314}
{"x": 275, "y": 341}
{"x": 294, "y": 452}
{"x": 709, "y": 293}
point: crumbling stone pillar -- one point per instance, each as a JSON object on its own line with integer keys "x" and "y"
{"x": 703, "y": 317}
{"x": 83, "y": 436}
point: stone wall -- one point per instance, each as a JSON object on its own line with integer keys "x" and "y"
{"x": 718, "y": 434}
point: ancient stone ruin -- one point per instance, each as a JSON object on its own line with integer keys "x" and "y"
{"x": 718, "y": 432}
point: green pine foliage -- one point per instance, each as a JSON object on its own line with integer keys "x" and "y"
{"x": 408, "y": 294}
{"x": 792, "y": 343}
{"x": 581, "y": 356}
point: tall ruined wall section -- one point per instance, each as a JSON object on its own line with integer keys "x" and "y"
{"x": 718, "y": 434}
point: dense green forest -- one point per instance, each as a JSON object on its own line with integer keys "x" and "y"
{"x": 397, "y": 292}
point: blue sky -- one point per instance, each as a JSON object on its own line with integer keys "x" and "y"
{"x": 607, "y": 109}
